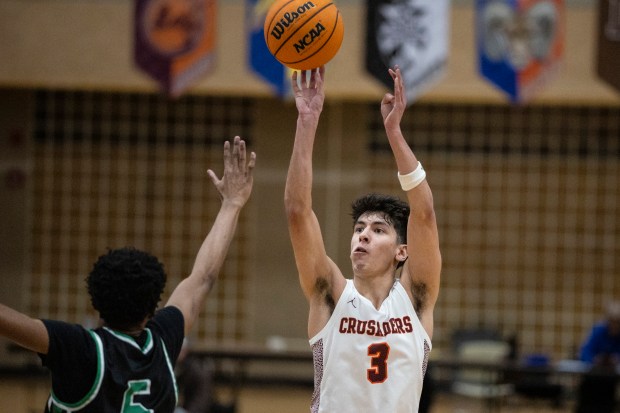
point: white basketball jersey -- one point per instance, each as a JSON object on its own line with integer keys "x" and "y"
{"x": 369, "y": 360}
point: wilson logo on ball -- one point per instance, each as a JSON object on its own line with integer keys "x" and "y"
{"x": 303, "y": 34}
{"x": 288, "y": 19}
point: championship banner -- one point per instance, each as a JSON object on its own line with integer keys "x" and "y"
{"x": 608, "y": 59}
{"x": 174, "y": 41}
{"x": 520, "y": 44}
{"x": 261, "y": 60}
{"x": 412, "y": 34}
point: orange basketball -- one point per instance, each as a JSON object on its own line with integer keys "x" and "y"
{"x": 303, "y": 34}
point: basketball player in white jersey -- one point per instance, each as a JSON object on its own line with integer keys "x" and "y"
{"x": 370, "y": 335}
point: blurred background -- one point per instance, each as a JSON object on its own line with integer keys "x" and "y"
{"x": 94, "y": 156}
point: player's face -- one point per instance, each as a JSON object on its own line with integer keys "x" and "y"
{"x": 374, "y": 244}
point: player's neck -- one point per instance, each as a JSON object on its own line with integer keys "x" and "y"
{"x": 375, "y": 289}
{"x": 133, "y": 331}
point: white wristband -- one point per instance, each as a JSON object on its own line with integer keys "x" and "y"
{"x": 412, "y": 179}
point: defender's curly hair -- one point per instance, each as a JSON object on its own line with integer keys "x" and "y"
{"x": 125, "y": 286}
{"x": 393, "y": 209}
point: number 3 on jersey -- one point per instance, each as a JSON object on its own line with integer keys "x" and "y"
{"x": 378, "y": 371}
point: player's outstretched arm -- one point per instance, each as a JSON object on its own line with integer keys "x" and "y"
{"x": 23, "y": 330}
{"x": 421, "y": 273}
{"x": 234, "y": 188}
{"x": 311, "y": 258}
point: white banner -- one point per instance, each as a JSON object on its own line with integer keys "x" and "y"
{"x": 412, "y": 34}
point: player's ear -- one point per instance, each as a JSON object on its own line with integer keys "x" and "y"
{"x": 401, "y": 253}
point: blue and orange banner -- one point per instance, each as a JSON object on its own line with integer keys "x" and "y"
{"x": 260, "y": 59}
{"x": 520, "y": 44}
{"x": 174, "y": 41}
{"x": 412, "y": 34}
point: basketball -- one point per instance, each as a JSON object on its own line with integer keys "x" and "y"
{"x": 303, "y": 34}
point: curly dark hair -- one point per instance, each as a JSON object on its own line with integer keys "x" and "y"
{"x": 393, "y": 209}
{"x": 125, "y": 286}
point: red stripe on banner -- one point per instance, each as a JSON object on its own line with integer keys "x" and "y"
{"x": 538, "y": 67}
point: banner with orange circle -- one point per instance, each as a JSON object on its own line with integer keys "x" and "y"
{"x": 174, "y": 41}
